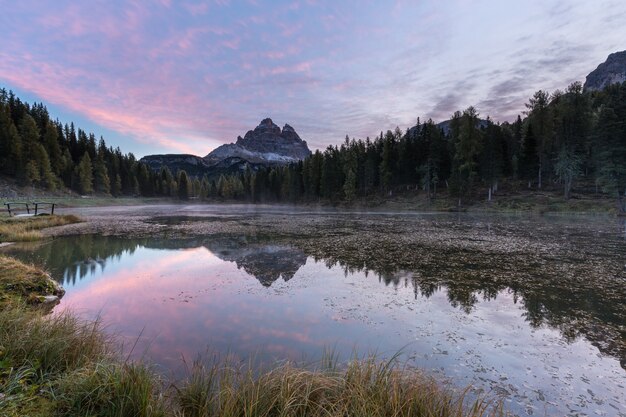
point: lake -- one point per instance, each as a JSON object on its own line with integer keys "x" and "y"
{"x": 538, "y": 326}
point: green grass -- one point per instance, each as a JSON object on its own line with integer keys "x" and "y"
{"x": 59, "y": 365}
{"x": 21, "y": 282}
{"x": 27, "y": 229}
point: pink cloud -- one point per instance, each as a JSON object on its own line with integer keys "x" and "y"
{"x": 232, "y": 43}
{"x": 196, "y": 9}
{"x": 291, "y": 69}
{"x": 274, "y": 54}
{"x": 54, "y": 84}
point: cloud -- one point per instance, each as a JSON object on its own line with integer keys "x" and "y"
{"x": 189, "y": 76}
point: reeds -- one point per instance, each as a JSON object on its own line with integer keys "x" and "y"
{"x": 365, "y": 387}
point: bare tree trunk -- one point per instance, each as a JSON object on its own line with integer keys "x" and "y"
{"x": 539, "y": 177}
{"x": 489, "y": 199}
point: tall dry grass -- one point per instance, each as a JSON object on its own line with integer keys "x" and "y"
{"x": 365, "y": 387}
{"x": 70, "y": 367}
{"x": 27, "y": 229}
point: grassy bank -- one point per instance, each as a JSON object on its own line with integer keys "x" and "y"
{"x": 59, "y": 365}
{"x": 27, "y": 229}
{"x": 24, "y": 283}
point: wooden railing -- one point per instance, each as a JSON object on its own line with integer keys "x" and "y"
{"x": 21, "y": 206}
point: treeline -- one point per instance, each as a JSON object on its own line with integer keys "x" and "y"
{"x": 41, "y": 152}
{"x": 564, "y": 137}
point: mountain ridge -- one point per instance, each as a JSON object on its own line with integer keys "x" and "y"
{"x": 265, "y": 145}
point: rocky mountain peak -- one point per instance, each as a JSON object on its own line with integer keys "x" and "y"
{"x": 267, "y": 137}
{"x": 264, "y": 146}
{"x": 611, "y": 71}
{"x": 267, "y": 126}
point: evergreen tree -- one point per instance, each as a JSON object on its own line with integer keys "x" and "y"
{"x": 30, "y": 138}
{"x": 539, "y": 114}
{"x": 611, "y": 155}
{"x": 349, "y": 186}
{"x": 52, "y": 148}
{"x": 42, "y": 162}
{"x": 467, "y": 150}
{"x": 183, "y": 185}
{"x": 529, "y": 160}
{"x": 84, "y": 174}
{"x": 386, "y": 164}
{"x": 117, "y": 186}
{"x": 101, "y": 176}
{"x": 10, "y": 143}
{"x": 567, "y": 167}
{"x": 492, "y": 157}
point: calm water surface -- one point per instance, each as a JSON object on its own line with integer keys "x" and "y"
{"x": 244, "y": 296}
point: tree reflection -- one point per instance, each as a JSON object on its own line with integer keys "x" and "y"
{"x": 561, "y": 299}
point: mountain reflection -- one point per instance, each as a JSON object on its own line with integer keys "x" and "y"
{"x": 575, "y": 310}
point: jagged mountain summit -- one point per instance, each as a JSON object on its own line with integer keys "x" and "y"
{"x": 611, "y": 71}
{"x": 266, "y": 145}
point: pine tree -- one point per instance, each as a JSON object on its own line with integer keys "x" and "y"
{"x": 467, "y": 150}
{"x": 349, "y": 186}
{"x": 611, "y": 155}
{"x": 539, "y": 114}
{"x": 491, "y": 158}
{"x": 84, "y": 174}
{"x": 101, "y": 176}
{"x": 567, "y": 167}
{"x": 10, "y": 143}
{"x": 31, "y": 173}
{"x": 30, "y": 137}
{"x": 529, "y": 160}
{"x": 386, "y": 164}
{"x": 183, "y": 185}
{"x": 51, "y": 140}
{"x": 117, "y": 186}
{"x": 46, "y": 176}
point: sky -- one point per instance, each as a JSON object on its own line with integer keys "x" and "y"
{"x": 169, "y": 76}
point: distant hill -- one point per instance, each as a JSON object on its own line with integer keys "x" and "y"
{"x": 266, "y": 145}
{"x": 611, "y": 71}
